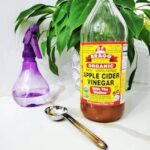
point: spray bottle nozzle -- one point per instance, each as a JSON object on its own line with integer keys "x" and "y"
{"x": 31, "y": 41}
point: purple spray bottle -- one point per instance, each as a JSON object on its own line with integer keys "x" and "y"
{"x": 31, "y": 89}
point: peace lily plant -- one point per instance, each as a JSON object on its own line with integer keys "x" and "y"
{"x": 67, "y": 17}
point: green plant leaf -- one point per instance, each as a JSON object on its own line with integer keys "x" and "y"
{"x": 59, "y": 14}
{"x": 44, "y": 48}
{"x": 60, "y": 19}
{"x": 18, "y": 24}
{"x": 42, "y": 10}
{"x": 60, "y": 2}
{"x": 21, "y": 18}
{"x": 53, "y": 55}
{"x": 79, "y": 11}
{"x": 131, "y": 50}
{"x": 145, "y": 36}
{"x": 61, "y": 41}
{"x": 41, "y": 19}
{"x": 61, "y": 25}
{"x": 77, "y": 47}
{"x": 27, "y": 12}
{"x": 48, "y": 45}
{"x": 147, "y": 12}
{"x": 134, "y": 22}
{"x": 126, "y": 3}
{"x": 131, "y": 79}
{"x": 50, "y": 36}
{"x": 74, "y": 39}
{"x": 52, "y": 65}
{"x": 143, "y": 1}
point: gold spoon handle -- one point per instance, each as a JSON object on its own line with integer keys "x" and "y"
{"x": 99, "y": 142}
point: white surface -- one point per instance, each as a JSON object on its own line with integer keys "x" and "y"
{"x": 30, "y": 129}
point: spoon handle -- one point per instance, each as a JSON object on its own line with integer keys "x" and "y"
{"x": 100, "y": 143}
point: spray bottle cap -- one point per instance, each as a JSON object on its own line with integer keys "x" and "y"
{"x": 31, "y": 47}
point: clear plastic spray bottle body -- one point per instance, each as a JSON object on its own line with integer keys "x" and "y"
{"x": 30, "y": 89}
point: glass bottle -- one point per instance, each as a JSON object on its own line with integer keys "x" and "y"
{"x": 103, "y": 57}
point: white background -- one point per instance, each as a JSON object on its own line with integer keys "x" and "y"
{"x": 11, "y": 49}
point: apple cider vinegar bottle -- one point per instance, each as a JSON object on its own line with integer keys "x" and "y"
{"x": 103, "y": 58}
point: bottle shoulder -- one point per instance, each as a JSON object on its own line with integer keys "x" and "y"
{"x": 104, "y": 23}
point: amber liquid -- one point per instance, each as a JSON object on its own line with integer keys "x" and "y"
{"x": 102, "y": 113}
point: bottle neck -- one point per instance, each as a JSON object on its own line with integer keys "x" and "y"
{"x": 30, "y": 64}
{"x": 28, "y": 52}
{"x": 29, "y": 59}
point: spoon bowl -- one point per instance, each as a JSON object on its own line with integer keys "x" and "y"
{"x": 56, "y": 112}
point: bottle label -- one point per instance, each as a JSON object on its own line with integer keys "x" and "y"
{"x": 103, "y": 72}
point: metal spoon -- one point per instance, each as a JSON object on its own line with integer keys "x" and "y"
{"x": 58, "y": 113}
